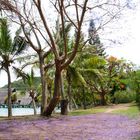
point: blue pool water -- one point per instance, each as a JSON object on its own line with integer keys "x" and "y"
{"x": 18, "y": 111}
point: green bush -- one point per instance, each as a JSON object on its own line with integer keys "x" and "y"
{"x": 125, "y": 96}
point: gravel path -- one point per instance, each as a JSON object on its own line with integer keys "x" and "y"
{"x": 102, "y": 126}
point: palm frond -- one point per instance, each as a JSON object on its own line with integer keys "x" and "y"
{"x": 20, "y": 73}
{"x": 95, "y": 73}
{"x": 30, "y": 79}
{"x": 76, "y": 76}
{"x": 18, "y": 32}
{"x": 5, "y": 38}
{"x": 94, "y": 62}
{"x": 19, "y": 45}
{"x": 32, "y": 75}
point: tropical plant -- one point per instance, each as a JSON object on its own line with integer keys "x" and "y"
{"x": 74, "y": 79}
{"x": 125, "y": 96}
{"x": 9, "y": 50}
{"x": 133, "y": 82}
{"x": 29, "y": 79}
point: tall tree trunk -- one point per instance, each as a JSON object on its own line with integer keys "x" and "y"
{"x": 69, "y": 93}
{"x": 34, "y": 106}
{"x": 64, "y": 101}
{"x": 50, "y": 91}
{"x": 64, "y": 107}
{"x": 57, "y": 90}
{"x": 74, "y": 103}
{"x": 43, "y": 85}
{"x": 94, "y": 102}
{"x": 62, "y": 86}
{"x": 9, "y": 93}
{"x": 103, "y": 101}
{"x": 84, "y": 99}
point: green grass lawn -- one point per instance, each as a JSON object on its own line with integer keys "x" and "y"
{"x": 87, "y": 111}
{"x": 133, "y": 111}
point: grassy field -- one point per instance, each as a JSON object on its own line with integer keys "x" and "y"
{"x": 132, "y": 111}
{"x": 87, "y": 111}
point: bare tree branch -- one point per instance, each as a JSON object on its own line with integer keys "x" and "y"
{"x": 46, "y": 67}
{"x": 53, "y": 45}
{"x": 77, "y": 37}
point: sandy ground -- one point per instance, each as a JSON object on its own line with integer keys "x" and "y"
{"x": 101, "y": 126}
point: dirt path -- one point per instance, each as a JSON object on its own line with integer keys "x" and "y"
{"x": 117, "y": 107}
{"x": 102, "y": 126}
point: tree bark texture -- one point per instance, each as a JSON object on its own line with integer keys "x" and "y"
{"x": 64, "y": 107}
{"x": 9, "y": 93}
{"x": 43, "y": 85}
{"x": 34, "y": 106}
{"x": 103, "y": 100}
{"x": 69, "y": 94}
{"x": 57, "y": 90}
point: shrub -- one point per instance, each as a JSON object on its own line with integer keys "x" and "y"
{"x": 125, "y": 96}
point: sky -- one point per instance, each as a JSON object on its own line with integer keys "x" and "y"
{"x": 129, "y": 49}
{"x": 126, "y": 31}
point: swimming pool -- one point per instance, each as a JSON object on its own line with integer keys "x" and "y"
{"x": 18, "y": 111}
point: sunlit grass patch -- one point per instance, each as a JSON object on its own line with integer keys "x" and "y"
{"x": 87, "y": 111}
{"x": 132, "y": 111}
{"x": 138, "y": 138}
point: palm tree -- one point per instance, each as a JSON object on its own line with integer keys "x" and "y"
{"x": 95, "y": 75}
{"x": 92, "y": 68}
{"x": 74, "y": 77}
{"x": 8, "y": 51}
{"x": 29, "y": 79}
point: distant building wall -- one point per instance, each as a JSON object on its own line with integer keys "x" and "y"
{"x": 3, "y": 94}
{"x": 24, "y": 99}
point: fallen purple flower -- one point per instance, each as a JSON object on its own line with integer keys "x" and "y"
{"x": 88, "y": 127}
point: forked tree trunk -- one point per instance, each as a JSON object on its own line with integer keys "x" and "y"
{"x": 57, "y": 90}
{"x": 9, "y": 93}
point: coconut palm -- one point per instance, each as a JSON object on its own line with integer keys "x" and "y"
{"x": 29, "y": 79}
{"x": 92, "y": 68}
{"x": 8, "y": 51}
{"x": 74, "y": 77}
